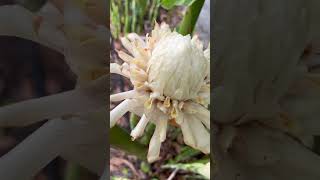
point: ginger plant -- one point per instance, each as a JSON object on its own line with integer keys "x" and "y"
{"x": 170, "y": 75}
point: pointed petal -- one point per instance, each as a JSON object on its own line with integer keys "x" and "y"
{"x": 154, "y": 145}
{"x": 116, "y": 69}
{"x": 127, "y": 44}
{"x": 188, "y": 137}
{"x": 136, "y": 37}
{"x": 201, "y": 135}
{"x": 120, "y": 110}
{"x": 125, "y": 57}
{"x": 140, "y": 127}
{"x": 123, "y": 95}
{"x": 163, "y": 132}
{"x": 204, "y": 116}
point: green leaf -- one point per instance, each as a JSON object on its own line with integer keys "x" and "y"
{"x": 190, "y": 18}
{"x": 168, "y": 4}
{"x": 186, "y": 153}
{"x": 119, "y": 138}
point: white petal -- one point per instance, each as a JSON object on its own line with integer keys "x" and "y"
{"x": 163, "y": 132}
{"x": 187, "y": 133}
{"x": 136, "y": 37}
{"x": 204, "y": 116}
{"x": 116, "y": 69}
{"x": 154, "y": 145}
{"x": 123, "y": 95}
{"x": 127, "y": 44}
{"x": 140, "y": 127}
{"x": 125, "y": 57}
{"x": 120, "y": 110}
{"x": 201, "y": 135}
{"x": 201, "y": 113}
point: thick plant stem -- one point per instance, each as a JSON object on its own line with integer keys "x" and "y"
{"x": 120, "y": 139}
{"x": 190, "y": 19}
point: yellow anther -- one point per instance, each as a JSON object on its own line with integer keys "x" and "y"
{"x": 167, "y": 102}
{"x": 148, "y": 103}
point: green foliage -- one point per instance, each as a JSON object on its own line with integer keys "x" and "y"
{"x": 125, "y": 171}
{"x": 190, "y": 18}
{"x": 169, "y": 4}
{"x": 185, "y": 154}
{"x": 115, "y": 18}
{"x": 118, "y": 138}
{"x": 145, "y": 167}
{"x": 130, "y": 15}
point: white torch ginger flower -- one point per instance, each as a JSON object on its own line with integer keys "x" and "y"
{"x": 170, "y": 75}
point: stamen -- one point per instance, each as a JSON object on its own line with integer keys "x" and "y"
{"x": 167, "y": 102}
{"x": 148, "y": 103}
{"x": 162, "y": 107}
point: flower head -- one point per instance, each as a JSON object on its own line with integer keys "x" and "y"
{"x": 170, "y": 75}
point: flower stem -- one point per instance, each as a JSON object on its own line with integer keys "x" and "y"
{"x": 190, "y": 19}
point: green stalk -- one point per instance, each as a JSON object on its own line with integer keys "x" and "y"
{"x": 120, "y": 139}
{"x": 152, "y": 8}
{"x": 190, "y": 19}
{"x": 155, "y": 12}
{"x": 134, "y": 16}
{"x": 127, "y": 17}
